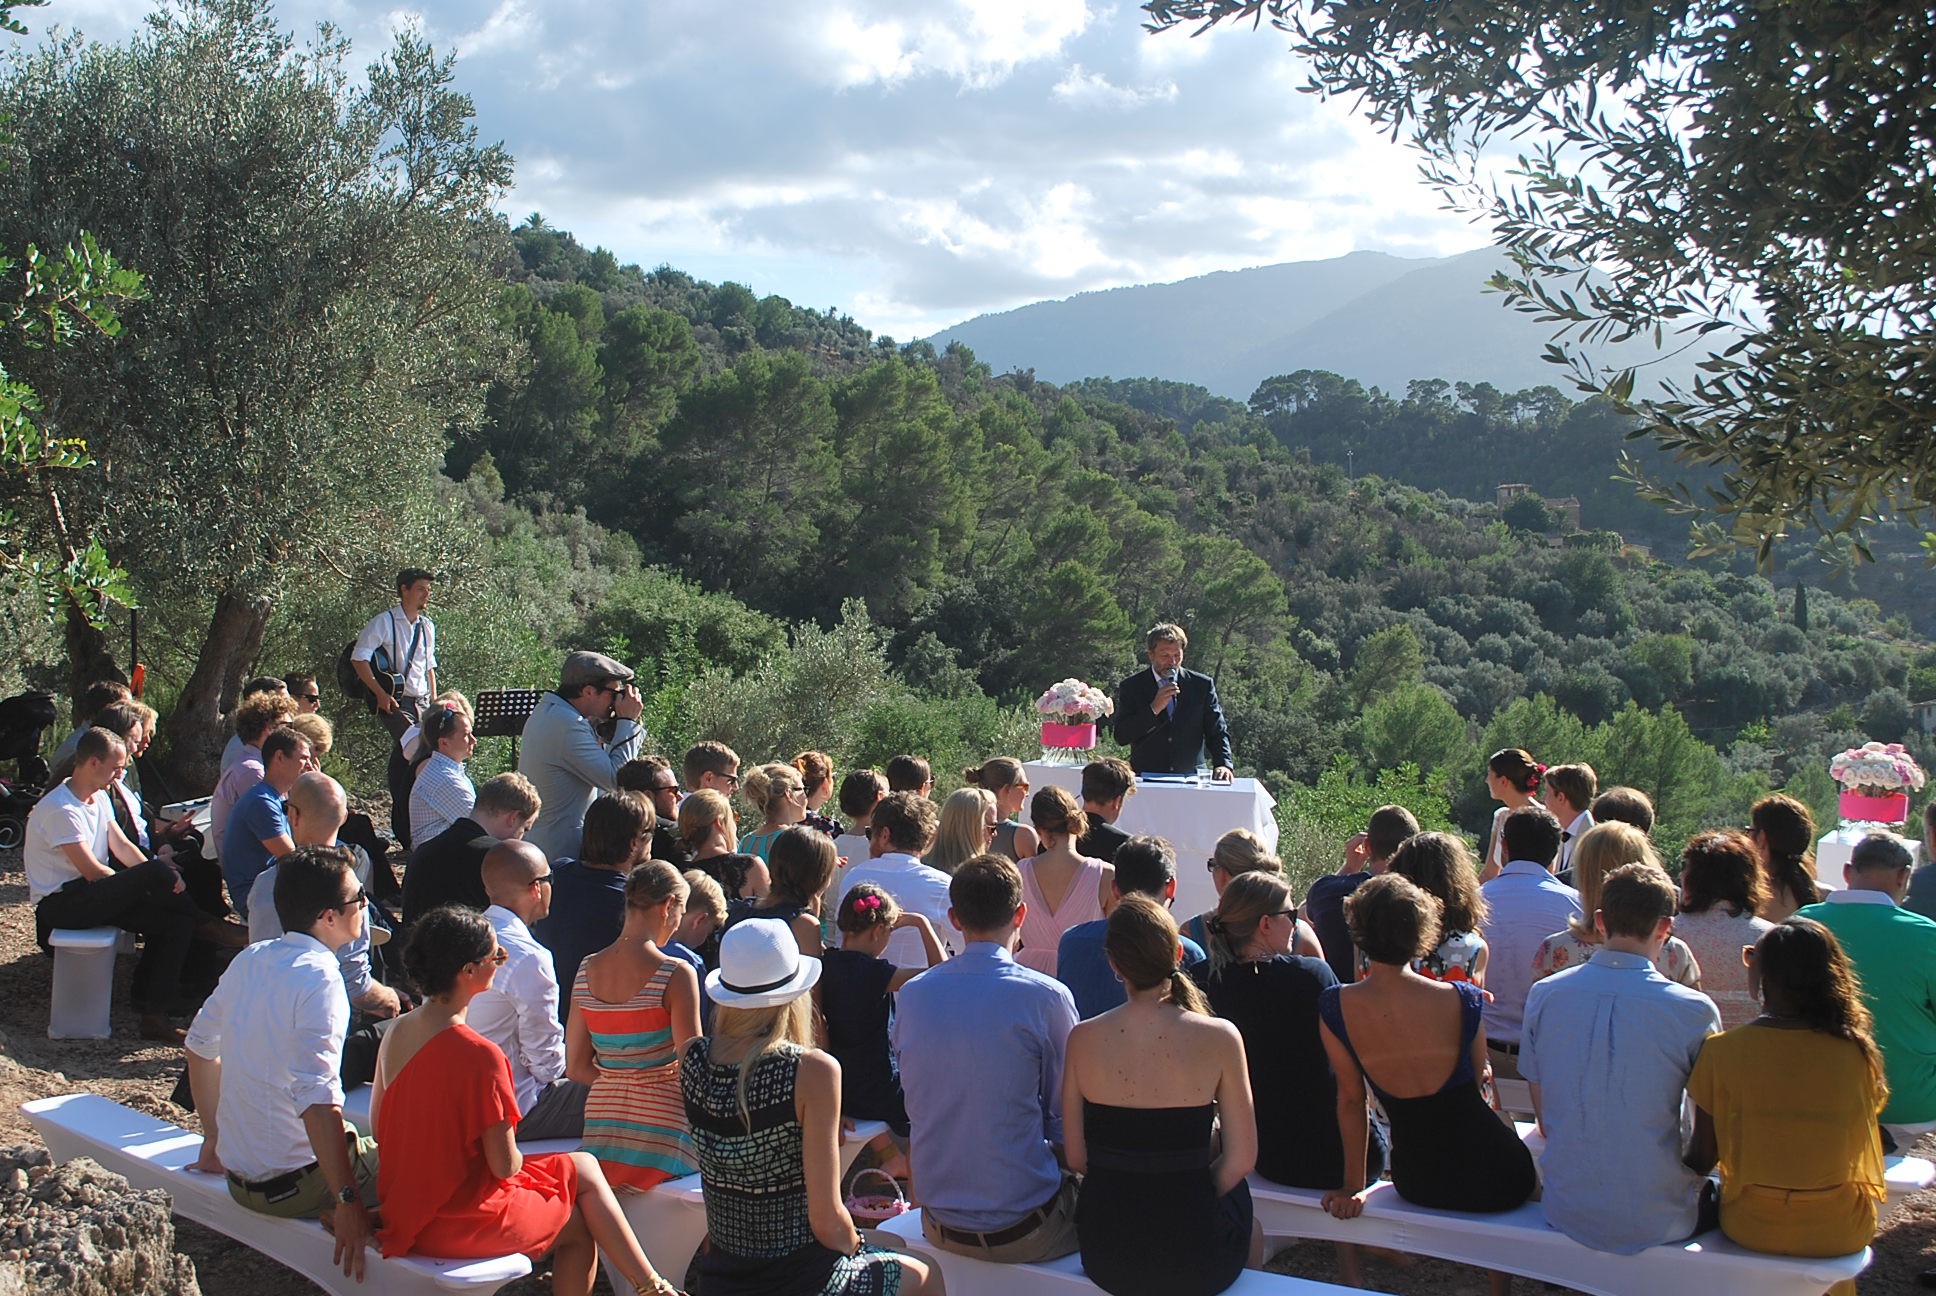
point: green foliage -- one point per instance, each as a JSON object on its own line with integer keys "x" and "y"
{"x": 1315, "y": 820}
{"x": 1414, "y": 725}
{"x": 1745, "y": 174}
{"x": 1389, "y": 660}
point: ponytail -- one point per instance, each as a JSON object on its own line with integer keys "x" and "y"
{"x": 1184, "y": 992}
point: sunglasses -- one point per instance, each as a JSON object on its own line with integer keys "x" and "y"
{"x": 498, "y": 957}
{"x": 361, "y": 898}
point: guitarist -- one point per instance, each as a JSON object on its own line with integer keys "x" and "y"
{"x": 396, "y": 658}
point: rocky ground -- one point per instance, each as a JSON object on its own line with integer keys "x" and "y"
{"x": 143, "y": 1075}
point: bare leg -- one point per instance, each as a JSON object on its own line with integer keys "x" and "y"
{"x": 1256, "y": 1257}
{"x": 916, "y": 1279}
{"x": 602, "y": 1224}
{"x": 1350, "y": 1267}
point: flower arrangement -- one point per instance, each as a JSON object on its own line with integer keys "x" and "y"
{"x": 1877, "y": 770}
{"x": 1071, "y": 701}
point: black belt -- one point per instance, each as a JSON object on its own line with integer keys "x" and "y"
{"x": 275, "y": 1184}
{"x": 1003, "y": 1236}
{"x": 1504, "y": 1048}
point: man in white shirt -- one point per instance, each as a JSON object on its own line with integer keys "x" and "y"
{"x": 1524, "y": 905}
{"x": 1568, "y": 791}
{"x": 264, "y": 1056}
{"x": 443, "y": 792}
{"x": 562, "y": 754}
{"x": 401, "y": 642}
{"x": 82, "y": 871}
{"x": 519, "y": 1013}
{"x": 900, "y": 831}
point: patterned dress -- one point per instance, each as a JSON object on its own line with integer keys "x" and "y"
{"x": 1563, "y": 950}
{"x": 635, "y": 1121}
{"x": 756, "y": 1189}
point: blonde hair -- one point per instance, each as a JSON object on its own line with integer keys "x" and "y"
{"x": 961, "y": 836}
{"x": 699, "y": 812}
{"x": 1245, "y": 903}
{"x": 319, "y": 732}
{"x": 1241, "y": 851}
{"x": 771, "y": 1030}
{"x": 1600, "y": 850}
{"x": 705, "y": 895}
{"x": 765, "y": 788}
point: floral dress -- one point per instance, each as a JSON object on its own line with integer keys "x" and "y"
{"x": 1563, "y": 950}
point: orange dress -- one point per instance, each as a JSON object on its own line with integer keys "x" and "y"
{"x": 439, "y": 1195}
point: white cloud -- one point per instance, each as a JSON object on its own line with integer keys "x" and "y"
{"x": 913, "y": 163}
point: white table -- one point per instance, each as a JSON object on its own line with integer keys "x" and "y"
{"x": 1189, "y": 816}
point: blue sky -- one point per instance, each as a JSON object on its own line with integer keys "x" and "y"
{"x": 909, "y": 162}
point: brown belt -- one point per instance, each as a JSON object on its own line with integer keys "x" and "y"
{"x": 1003, "y": 1236}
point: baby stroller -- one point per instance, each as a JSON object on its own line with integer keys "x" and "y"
{"x": 23, "y": 719}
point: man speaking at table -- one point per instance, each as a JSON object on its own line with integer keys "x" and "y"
{"x": 1168, "y": 717}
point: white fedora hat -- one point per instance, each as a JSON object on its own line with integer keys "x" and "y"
{"x": 760, "y": 966}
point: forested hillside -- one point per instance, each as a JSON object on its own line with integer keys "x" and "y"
{"x": 802, "y": 534}
{"x": 1003, "y": 532}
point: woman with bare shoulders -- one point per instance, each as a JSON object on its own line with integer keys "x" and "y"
{"x": 1419, "y": 1045}
{"x": 1142, "y": 1085}
{"x": 1060, "y": 887}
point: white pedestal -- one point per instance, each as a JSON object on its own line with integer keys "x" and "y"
{"x": 83, "y": 982}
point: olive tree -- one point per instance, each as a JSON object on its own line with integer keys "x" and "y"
{"x": 1752, "y": 174}
{"x": 319, "y": 252}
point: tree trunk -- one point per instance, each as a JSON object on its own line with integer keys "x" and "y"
{"x": 194, "y": 731}
{"x": 89, "y": 657}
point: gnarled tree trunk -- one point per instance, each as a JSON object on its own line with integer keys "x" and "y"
{"x": 194, "y": 731}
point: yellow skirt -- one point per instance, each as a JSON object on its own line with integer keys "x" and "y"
{"x": 1802, "y": 1222}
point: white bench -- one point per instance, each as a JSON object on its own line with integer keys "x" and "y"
{"x": 1902, "y": 1176}
{"x": 963, "y": 1276}
{"x": 1520, "y": 1242}
{"x": 670, "y": 1220}
{"x": 83, "y": 992}
{"x": 151, "y": 1153}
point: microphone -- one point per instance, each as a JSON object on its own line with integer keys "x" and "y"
{"x": 1170, "y": 678}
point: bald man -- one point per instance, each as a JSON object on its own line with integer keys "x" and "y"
{"x": 316, "y": 810}
{"x": 519, "y": 1013}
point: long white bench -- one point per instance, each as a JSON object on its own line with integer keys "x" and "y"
{"x": 1902, "y": 1176}
{"x": 151, "y": 1153}
{"x": 1520, "y": 1242}
{"x": 962, "y": 1276}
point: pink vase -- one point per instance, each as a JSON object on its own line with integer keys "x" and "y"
{"x": 1891, "y": 809}
{"x": 1075, "y": 737}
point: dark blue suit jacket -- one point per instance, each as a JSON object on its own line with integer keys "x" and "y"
{"x": 1162, "y": 744}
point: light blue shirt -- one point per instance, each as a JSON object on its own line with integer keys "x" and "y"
{"x": 1610, "y": 1043}
{"x": 1524, "y": 905}
{"x": 561, "y": 755}
{"x": 980, "y": 1041}
{"x": 1081, "y": 964}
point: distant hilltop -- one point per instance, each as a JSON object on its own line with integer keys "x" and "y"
{"x": 1383, "y": 320}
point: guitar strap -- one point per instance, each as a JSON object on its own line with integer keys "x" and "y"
{"x": 416, "y": 641}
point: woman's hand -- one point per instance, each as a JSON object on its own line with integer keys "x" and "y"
{"x": 1344, "y": 1204}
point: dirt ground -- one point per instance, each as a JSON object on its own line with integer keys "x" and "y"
{"x": 142, "y": 1076}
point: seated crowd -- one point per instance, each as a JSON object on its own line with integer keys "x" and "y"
{"x": 592, "y": 948}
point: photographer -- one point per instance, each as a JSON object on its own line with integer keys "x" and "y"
{"x": 563, "y": 755}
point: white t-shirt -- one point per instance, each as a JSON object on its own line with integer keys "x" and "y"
{"x": 62, "y": 819}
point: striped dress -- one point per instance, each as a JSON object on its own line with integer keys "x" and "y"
{"x": 635, "y": 1118}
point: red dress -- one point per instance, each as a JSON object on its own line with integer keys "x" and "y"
{"x": 438, "y": 1193}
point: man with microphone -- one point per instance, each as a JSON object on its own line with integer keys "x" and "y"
{"x": 1168, "y": 717}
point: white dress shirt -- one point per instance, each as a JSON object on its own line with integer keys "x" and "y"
{"x": 442, "y": 794}
{"x": 276, "y": 1023}
{"x": 1574, "y": 831}
{"x": 519, "y": 1013}
{"x": 392, "y": 631}
{"x": 917, "y": 888}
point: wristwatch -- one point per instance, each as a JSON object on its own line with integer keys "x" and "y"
{"x": 347, "y": 1194}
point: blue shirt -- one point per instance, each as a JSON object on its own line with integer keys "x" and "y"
{"x": 980, "y": 1041}
{"x": 1610, "y": 1043}
{"x": 257, "y": 818}
{"x": 692, "y": 959}
{"x": 587, "y": 914}
{"x": 1524, "y": 905}
{"x": 1324, "y": 903}
{"x": 1081, "y": 965}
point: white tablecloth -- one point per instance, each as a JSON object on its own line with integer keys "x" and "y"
{"x": 1189, "y": 816}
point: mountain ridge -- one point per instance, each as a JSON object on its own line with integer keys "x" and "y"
{"x": 1382, "y": 319}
